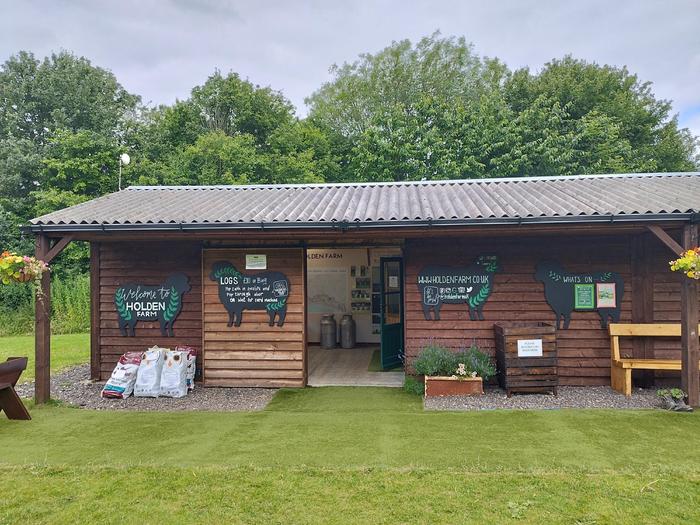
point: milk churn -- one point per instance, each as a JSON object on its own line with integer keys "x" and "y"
{"x": 329, "y": 331}
{"x": 347, "y": 331}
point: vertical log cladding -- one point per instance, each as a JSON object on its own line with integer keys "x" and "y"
{"x": 148, "y": 263}
{"x": 584, "y": 348}
{"x": 255, "y": 353}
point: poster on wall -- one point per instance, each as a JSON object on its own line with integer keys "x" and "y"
{"x": 605, "y": 295}
{"x": 567, "y": 292}
{"x": 160, "y": 303}
{"x": 240, "y": 291}
{"x": 471, "y": 284}
{"x": 327, "y": 290}
{"x": 584, "y": 298}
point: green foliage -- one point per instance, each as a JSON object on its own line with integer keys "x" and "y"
{"x": 436, "y": 360}
{"x": 435, "y": 110}
{"x": 413, "y": 386}
{"x": 675, "y": 393}
{"x": 70, "y": 307}
{"x": 477, "y": 361}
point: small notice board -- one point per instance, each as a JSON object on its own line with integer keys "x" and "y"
{"x": 529, "y": 347}
{"x": 255, "y": 261}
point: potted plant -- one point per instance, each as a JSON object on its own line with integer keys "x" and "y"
{"x": 688, "y": 263}
{"x": 21, "y": 269}
{"x": 453, "y": 374}
{"x": 674, "y": 399}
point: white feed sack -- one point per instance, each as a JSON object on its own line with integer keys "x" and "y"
{"x": 150, "y": 370}
{"x": 121, "y": 382}
{"x": 173, "y": 379}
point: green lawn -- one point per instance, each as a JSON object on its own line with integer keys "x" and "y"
{"x": 66, "y": 350}
{"x": 344, "y": 455}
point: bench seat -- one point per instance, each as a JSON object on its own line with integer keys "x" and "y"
{"x": 621, "y": 368}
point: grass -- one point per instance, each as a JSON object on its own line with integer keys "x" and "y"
{"x": 66, "y": 351}
{"x": 361, "y": 455}
{"x": 375, "y": 363}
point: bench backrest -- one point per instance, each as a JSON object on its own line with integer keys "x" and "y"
{"x": 618, "y": 330}
{"x": 646, "y": 330}
{"x": 11, "y": 369}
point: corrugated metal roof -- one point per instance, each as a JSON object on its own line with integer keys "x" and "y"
{"x": 553, "y": 199}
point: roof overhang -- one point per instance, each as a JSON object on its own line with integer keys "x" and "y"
{"x": 370, "y": 225}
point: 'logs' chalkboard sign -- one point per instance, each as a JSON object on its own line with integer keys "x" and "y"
{"x": 471, "y": 284}
{"x": 255, "y": 291}
{"x": 162, "y": 303}
{"x": 566, "y": 292}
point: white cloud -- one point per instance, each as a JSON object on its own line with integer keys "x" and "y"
{"x": 160, "y": 50}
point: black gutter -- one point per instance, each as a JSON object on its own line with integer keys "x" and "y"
{"x": 346, "y": 226}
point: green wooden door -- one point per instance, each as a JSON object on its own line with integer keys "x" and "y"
{"x": 391, "y": 311}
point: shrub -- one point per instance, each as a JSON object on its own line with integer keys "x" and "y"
{"x": 413, "y": 386}
{"x": 477, "y": 361}
{"x": 436, "y": 360}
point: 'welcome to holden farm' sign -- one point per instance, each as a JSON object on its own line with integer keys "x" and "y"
{"x": 162, "y": 303}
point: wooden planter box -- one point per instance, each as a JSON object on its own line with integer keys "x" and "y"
{"x": 438, "y": 386}
{"x": 526, "y": 373}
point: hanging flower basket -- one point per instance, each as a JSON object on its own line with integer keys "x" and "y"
{"x": 688, "y": 263}
{"x": 21, "y": 269}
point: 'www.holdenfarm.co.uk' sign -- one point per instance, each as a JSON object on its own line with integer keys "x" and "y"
{"x": 162, "y": 303}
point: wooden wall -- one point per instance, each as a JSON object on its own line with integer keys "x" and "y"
{"x": 148, "y": 263}
{"x": 584, "y": 349}
{"x": 652, "y": 294}
{"x": 255, "y": 354}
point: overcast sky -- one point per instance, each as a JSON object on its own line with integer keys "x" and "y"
{"x": 161, "y": 49}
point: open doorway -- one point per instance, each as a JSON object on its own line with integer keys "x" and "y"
{"x": 367, "y": 284}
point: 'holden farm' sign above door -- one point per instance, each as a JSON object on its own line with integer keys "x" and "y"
{"x": 162, "y": 303}
{"x": 255, "y": 291}
{"x": 471, "y": 284}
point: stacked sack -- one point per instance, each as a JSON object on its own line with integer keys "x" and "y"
{"x": 173, "y": 380}
{"x": 121, "y": 382}
{"x": 150, "y": 370}
{"x": 153, "y": 373}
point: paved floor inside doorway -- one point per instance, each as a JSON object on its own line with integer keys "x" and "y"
{"x": 347, "y": 367}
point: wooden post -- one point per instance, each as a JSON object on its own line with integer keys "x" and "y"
{"x": 642, "y": 300}
{"x": 42, "y": 329}
{"x": 690, "y": 351}
{"x": 95, "y": 357}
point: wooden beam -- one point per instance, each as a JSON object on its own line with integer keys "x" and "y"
{"x": 666, "y": 239}
{"x": 57, "y": 248}
{"x": 690, "y": 346}
{"x": 42, "y": 329}
{"x": 95, "y": 357}
{"x": 642, "y": 300}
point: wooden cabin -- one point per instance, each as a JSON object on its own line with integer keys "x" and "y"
{"x": 414, "y": 262}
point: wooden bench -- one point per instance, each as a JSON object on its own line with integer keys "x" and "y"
{"x": 621, "y": 368}
{"x": 10, "y": 371}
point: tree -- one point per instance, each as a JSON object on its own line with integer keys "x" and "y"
{"x": 436, "y": 110}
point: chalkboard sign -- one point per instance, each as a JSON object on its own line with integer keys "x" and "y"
{"x": 566, "y": 292}
{"x": 140, "y": 302}
{"x": 584, "y": 298}
{"x": 251, "y": 291}
{"x": 471, "y": 284}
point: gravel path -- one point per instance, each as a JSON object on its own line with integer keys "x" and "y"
{"x": 74, "y": 386}
{"x": 569, "y": 397}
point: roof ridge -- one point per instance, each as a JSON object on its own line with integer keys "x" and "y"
{"x": 440, "y": 182}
